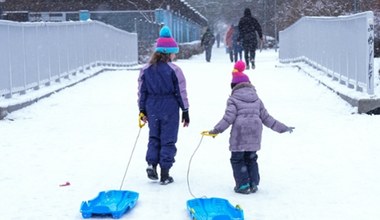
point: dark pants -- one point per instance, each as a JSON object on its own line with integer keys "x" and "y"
{"x": 245, "y": 168}
{"x": 249, "y": 56}
{"x": 208, "y": 53}
{"x": 236, "y": 53}
{"x": 163, "y": 132}
{"x": 231, "y": 53}
{"x": 249, "y": 52}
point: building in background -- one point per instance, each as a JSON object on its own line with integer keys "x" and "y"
{"x": 141, "y": 17}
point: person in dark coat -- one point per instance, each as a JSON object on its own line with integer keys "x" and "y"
{"x": 248, "y": 26}
{"x": 207, "y": 41}
{"x": 246, "y": 113}
{"x": 161, "y": 93}
{"x": 218, "y": 40}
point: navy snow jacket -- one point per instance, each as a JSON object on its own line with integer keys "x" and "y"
{"x": 161, "y": 87}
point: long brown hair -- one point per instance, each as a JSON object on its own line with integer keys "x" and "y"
{"x": 164, "y": 57}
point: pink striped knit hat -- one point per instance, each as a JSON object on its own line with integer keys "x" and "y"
{"x": 237, "y": 74}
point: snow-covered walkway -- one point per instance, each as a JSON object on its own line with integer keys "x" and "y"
{"x": 327, "y": 169}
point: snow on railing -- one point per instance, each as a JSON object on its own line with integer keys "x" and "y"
{"x": 33, "y": 54}
{"x": 343, "y": 47}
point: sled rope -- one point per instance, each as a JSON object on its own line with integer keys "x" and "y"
{"x": 141, "y": 125}
{"x": 188, "y": 168}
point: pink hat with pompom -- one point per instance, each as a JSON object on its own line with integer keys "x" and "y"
{"x": 237, "y": 74}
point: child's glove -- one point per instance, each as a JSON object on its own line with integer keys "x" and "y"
{"x": 185, "y": 118}
{"x": 213, "y": 132}
{"x": 143, "y": 116}
{"x": 290, "y": 129}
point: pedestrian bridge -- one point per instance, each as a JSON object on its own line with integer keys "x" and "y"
{"x": 41, "y": 57}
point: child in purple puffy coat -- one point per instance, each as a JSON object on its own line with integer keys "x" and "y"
{"x": 246, "y": 113}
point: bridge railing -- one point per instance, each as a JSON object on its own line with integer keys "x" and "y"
{"x": 343, "y": 47}
{"x": 35, "y": 54}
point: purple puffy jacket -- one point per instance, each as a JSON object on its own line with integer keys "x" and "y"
{"x": 246, "y": 113}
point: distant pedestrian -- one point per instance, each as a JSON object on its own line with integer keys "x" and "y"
{"x": 207, "y": 41}
{"x": 217, "y": 40}
{"x": 237, "y": 48}
{"x": 246, "y": 113}
{"x": 229, "y": 42}
{"x": 248, "y": 26}
{"x": 161, "y": 93}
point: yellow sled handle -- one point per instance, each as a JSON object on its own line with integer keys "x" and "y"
{"x": 205, "y": 133}
{"x": 141, "y": 122}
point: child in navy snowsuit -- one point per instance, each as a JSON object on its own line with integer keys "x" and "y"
{"x": 247, "y": 115}
{"x": 161, "y": 93}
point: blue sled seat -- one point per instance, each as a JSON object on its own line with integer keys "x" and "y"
{"x": 113, "y": 202}
{"x": 213, "y": 209}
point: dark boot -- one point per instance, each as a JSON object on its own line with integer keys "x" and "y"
{"x": 165, "y": 177}
{"x": 152, "y": 172}
{"x": 243, "y": 189}
{"x": 253, "y": 64}
{"x": 253, "y": 187}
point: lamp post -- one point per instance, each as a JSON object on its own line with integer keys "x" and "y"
{"x": 356, "y": 6}
{"x": 275, "y": 25}
{"x": 1, "y": 8}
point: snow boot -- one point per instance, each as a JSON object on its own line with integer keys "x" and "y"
{"x": 152, "y": 172}
{"x": 165, "y": 178}
{"x": 253, "y": 187}
{"x": 243, "y": 189}
{"x": 253, "y": 64}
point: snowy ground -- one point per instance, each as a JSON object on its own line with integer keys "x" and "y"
{"x": 327, "y": 169}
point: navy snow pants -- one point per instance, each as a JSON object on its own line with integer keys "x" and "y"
{"x": 163, "y": 121}
{"x": 245, "y": 168}
{"x": 208, "y": 51}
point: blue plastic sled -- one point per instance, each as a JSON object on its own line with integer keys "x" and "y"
{"x": 213, "y": 209}
{"x": 113, "y": 202}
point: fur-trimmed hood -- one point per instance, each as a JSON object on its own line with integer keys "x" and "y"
{"x": 245, "y": 92}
